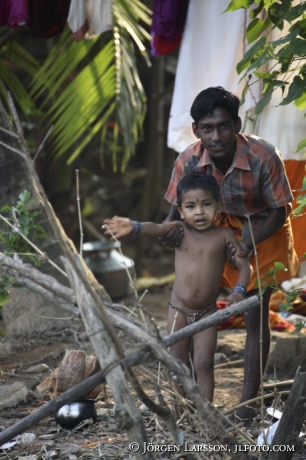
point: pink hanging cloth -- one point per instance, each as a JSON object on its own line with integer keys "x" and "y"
{"x": 169, "y": 17}
{"x": 14, "y": 13}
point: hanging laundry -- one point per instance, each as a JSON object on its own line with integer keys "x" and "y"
{"x": 48, "y": 17}
{"x": 89, "y": 18}
{"x": 14, "y": 13}
{"x": 169, "y": 17}
{"x": 207, "y": 58}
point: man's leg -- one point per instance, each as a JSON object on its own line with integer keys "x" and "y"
{"x": 252, "y": 368}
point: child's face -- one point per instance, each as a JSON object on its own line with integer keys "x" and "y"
{"x": 198, "y": 209}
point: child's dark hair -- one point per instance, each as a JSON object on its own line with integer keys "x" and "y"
{"x": 197, "y": 180}
{"x": 214, "y": 98}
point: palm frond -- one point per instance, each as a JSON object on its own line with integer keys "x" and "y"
{"x": 85, "y": 85}
{"x": 14, "y": 57}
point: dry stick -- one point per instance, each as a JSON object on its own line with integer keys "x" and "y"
{"x": 205, "y": 408}
{"x": 261, "y": 321}
{"x": 132, "y": 282}
{"x": 12, "y": 148}
{"x": 229, "y": 364}
{"x": 33, "y": 286}
{"x": 42, "y": 254}
{"x": 108, "y": 350}
{"x": 44, "y": 280}
{"x": 134, "y": 359}
{"x": 266, "y": 396}
{"x": 41, "y": 146}
{"x": 9, "y": 132}
{"x": 79, "y": 211}
{"x": 17, "y": 123}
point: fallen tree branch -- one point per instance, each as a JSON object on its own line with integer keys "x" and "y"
{"x": 47, "y": 281}
{"x": 47, "y": 294}
{"x": 132, "y": 360}
{"x": 101, "y": 335}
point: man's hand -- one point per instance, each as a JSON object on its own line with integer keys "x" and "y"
{"x": 242, "y": 251}
{"x": 174, "y": 237}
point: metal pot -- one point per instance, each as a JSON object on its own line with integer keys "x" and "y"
{"x": 109, "y": 266}
{"x": 70, "y": 415}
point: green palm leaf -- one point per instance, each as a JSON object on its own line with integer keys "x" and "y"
{"x": 12, "y": 57}
{"x": 85, "y": 85}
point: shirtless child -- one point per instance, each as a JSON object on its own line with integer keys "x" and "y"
{"x": 199, "y": 266}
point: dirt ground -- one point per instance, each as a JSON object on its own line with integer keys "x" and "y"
{"x": 22, "y": 359}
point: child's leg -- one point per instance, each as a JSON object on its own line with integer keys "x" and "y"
{"x": 176, "y": 321}
{"x": 204, "y": 346}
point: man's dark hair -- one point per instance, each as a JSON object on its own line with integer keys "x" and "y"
{"x": 197, "y": 180}
{"x": 214, "y": 98}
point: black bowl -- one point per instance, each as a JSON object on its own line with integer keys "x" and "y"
{"x": 70, "y": 415}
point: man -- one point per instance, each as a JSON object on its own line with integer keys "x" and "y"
{"x": 253, "y": 182}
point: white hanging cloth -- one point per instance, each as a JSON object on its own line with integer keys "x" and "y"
{"x": 212, "y": 45}
{"x": 89, "y": 18}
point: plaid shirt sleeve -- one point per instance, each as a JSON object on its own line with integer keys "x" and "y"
{"x": 176, "y": 176}
{"x": 276, "y": 188}
{"x": 185, "y": 163}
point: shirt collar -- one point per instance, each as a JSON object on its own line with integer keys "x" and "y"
{"x": 240, "y": 159}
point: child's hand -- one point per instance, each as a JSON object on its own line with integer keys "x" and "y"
{"x": 235, "y": 297}
{"x": 117, "y": 226}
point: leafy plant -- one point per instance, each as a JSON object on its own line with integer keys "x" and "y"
{"x": 22, "y": 221}
{"x": 287, "y": 53}
{"x": 287, "y": 72}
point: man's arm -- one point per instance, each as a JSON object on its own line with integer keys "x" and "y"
{"x": 262, "y": 229}
{"x": 245, "y": 271}
{"x": 122, "y": 226}
{"x": 173, "y": 214}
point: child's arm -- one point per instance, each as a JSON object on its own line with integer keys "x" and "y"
{"x": 121, "y": 226}
{"x": 245, "y": 269}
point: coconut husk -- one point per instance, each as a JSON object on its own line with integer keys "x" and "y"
{"x": 75, "y": 367}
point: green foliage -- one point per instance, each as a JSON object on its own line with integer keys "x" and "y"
{"x": 288, "y": 70}
{"x": 288, "y": 53}
{"x": 12, "y": 57}
{"x": 93, "y": 87}
{"x": 23, "y": 221}
{"x": 302, "y": 199}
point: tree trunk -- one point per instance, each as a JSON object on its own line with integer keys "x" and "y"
{"x": 22, "y": 315}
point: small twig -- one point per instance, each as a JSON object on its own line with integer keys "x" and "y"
{"x": 43, "y": 254}
{"x": 229, "y": 364}
{"x": 71, "y": 318}
{"x": 261, "y": 319}
{"x": 250, "y": 401}
{"x": 41, "y": 146}
{"x": 9, "y": 132}
{"x": 12, "y": 148}
{"x": 17, "y": 122}
{"x": 79, "y": 211}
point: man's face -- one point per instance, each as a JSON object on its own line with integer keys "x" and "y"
{"x": 217, "y": 132}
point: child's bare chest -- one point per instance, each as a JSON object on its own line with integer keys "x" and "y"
{"x": 210, "y": 244}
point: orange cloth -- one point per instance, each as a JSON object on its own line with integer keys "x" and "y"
{"x": 277, "y": 248}
{"x": 277, "y": 322}
{"x": 296, "y": 172}
{"x": 299, "y": 304}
